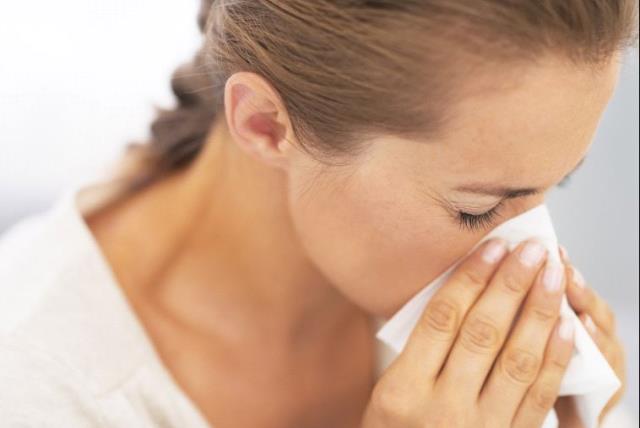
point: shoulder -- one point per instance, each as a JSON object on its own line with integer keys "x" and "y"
{"x": 38, "y": 391}
{"x": 67, "y": 338}
{"x": 47, "y": 262}
{"x": 35, "y": 254}
{"x": 23, "y": 269}
{"x": 58, "y": 294}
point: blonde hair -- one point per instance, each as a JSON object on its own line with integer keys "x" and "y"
{"x": 348, "y": 69}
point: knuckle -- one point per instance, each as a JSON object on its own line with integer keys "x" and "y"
{"x": 610, "y": 317}
{"x": 390, "y": 403}
{"x": 590, "y": 298}
{"x": 542, "y": 396}
{"x": 609, "y": 353}
{"x": 513, "y": 282}
{"x": 557, "y": 365}
{"x": 479, "y": 334}
{"x": 543, "y": 314}
{"x": 442, "y": 315}
{"x": 471, "y": 277}
{"x": 520, "y": 366}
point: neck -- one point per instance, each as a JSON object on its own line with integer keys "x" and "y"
{"x": 215, "y": 247}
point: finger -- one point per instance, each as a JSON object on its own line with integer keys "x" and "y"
{"x": 603, "y": 342}
{"x": 564, "y": 255}
{"x": 433, "y": 335}
{"x": 620, "y": 369}
{"x": 522, "y": 356}
{"x": 613, "y": 352}
{"x": 585, "y": 299}
{"x": 487, "y": 323}
{"x": 610, "y": 347}
{"x": 542, "y": 394}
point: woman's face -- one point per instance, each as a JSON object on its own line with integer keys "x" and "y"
{"x": 389, "y": 223}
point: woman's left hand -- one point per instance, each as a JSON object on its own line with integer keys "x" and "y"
{"x": 599, "y": 321}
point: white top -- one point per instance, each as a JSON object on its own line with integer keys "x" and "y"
{"x": 72, "y": 351}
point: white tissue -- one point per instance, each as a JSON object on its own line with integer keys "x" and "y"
{"x": 588, "y": 377}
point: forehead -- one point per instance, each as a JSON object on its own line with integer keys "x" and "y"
{"x": 529, "y": 125}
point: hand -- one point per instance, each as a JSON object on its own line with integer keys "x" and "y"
{"x": 467, "y": 363}
{"x": 599, "y": 321}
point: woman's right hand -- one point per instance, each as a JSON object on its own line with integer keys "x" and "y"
{"x": 446, "y": 376}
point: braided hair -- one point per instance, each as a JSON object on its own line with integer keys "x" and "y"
{"x": 177, "y": 135}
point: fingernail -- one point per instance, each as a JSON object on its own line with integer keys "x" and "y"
{"x": 552, "y": 277}
{"x": 565, "y": 330}
{"x": 577, "y": 277}
{"x": 588, "y": 322}
{"x": 532, "y": 253}
{"x": 494, "y": 251}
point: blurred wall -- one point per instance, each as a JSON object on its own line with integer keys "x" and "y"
{"x": 79, "y": 78}
{"x": 596, "y": 215}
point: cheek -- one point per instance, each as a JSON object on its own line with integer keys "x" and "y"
{"x": 375, "y": 244}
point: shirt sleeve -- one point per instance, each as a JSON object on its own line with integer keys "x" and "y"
{"x": 36, "y": 390}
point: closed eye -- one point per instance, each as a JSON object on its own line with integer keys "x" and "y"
{"x": 474, "y": 222}
{"x": 486, "y": 220}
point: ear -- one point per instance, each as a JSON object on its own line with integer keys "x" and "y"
{"x": 257, "y": 119}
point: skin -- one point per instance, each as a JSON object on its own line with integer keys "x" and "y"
{"x": 600, "y": 322}
{"x": 260, "y": 269}
{"x": 473, "y": 374}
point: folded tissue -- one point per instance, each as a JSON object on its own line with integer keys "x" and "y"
{"x": 588, "y": 378}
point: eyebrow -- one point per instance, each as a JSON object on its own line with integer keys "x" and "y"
{"x": 507, "y": 192}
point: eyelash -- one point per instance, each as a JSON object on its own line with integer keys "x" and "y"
{"x": 475, "y": 222}
{"x": 478, "y": 221}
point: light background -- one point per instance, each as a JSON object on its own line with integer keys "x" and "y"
{"x": 79, "y": 78}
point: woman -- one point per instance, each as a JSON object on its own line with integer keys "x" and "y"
{"x": 325, "y": 160}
